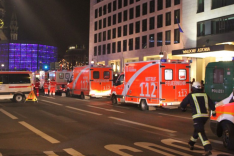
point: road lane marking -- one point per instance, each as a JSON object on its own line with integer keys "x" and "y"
{"x": 122, "y": 107}
{"x": 8, "y": 114}
{"x": 175, "y": 116}
{"x": 49, "y": 97}
{"x": 117, "y": 149}
{"x": 216, "y": 141}
{"x": 144, "y": 125}
{"x": 40, "y": 133}
{"x": 50, "y": 153}
{"x": 110, "y": 110}
{"x": 58, "y": 104}
{"x": 149, "y": 146}
{"x": 73, "y": 152}
{"x": 83, "y": 110}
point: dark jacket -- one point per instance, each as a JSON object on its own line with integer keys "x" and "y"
{"x": 200, "y": 104}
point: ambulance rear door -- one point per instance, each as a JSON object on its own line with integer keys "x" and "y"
{"x": 100, "y": 81}
{"x": 167, "y": 89}
{"x": 107, "y": 81}
{"x": 174, "y": 82}
{"x": 182, "y": 83}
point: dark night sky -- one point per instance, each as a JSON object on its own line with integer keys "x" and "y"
{"x": 54, "y": 22}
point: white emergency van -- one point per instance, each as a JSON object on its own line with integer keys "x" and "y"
{"x": 15, "y": 85}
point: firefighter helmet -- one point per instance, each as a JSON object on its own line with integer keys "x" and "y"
{"x": 197, "y": 85}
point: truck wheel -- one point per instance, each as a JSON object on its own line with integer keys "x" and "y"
{"x": 18, "y": 98}
{"x": 143, "y": 105}
{"x": 114, "y": 100}
{"x": 82, "y": 95}
{"x": 228, "y": 135}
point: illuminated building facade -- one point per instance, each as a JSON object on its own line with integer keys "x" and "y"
{"x": 208, "y": 27}
{"x": 25, "y": 56}
{"x": 124, "y": 31}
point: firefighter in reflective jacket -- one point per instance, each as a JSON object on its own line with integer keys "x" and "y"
{"x": 200, "y": 104}
{"x": 37, "y": 84}
{"x": 46, "y": 86}
{"x": 52, "y": 87}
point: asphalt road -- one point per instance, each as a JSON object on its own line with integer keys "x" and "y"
{"x": 63, "y": 126}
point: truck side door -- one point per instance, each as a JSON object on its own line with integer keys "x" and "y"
{"x": 119, "y": 86}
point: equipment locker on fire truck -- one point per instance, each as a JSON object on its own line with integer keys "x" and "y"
{"x": 152, "y": 83}
{"x": 94, "y": 81}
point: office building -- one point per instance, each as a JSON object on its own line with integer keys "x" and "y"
{"x": 124, "y": 31}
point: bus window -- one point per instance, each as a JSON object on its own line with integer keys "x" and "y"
{"x": 19, "y": 78}
{"x": 4, "y": 79}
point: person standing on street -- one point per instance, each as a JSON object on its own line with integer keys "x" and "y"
{"x": 37, "y": 85}
{"x": 46, "y": 86}
{"x": 52, "y": 87}
{"x": 200, "y": 104}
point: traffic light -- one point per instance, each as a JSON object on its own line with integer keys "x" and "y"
{"x": 45, "y": 67}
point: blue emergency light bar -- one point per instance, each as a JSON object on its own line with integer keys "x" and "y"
{"x": 163, "y": 60}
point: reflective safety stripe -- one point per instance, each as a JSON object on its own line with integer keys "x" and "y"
{"x": 199, "y": 114}
{"x": 220, "y": 112}
{"x": 204, "y": 143}
{"x": 192, "y": 139}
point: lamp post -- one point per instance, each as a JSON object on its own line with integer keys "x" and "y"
{"x": 161, "y": 54}
{"x": 2, "y": 66}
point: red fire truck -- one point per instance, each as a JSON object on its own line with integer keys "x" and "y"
{"x": 152, "y": 83}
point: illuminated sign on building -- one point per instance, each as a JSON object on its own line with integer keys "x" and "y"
{"x": 196, "y": 50}
{"x": 201, "y": 50}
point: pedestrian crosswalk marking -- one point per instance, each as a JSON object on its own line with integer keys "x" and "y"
{"x": 50, "y": 153}
{"x": 149, "y": 146}
{"x": 73, "y": 152}
{"x": 171, "y": 141}
{"x": 117, "y": 149}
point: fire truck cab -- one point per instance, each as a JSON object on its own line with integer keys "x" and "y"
{"x": 152, "y": 83}
{"x": 222, "y": 124}
{"x": 91, "y": 81}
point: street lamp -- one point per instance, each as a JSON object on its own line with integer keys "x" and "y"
{"x": 2, "y": 66}
{"x": 161, "y": 54}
